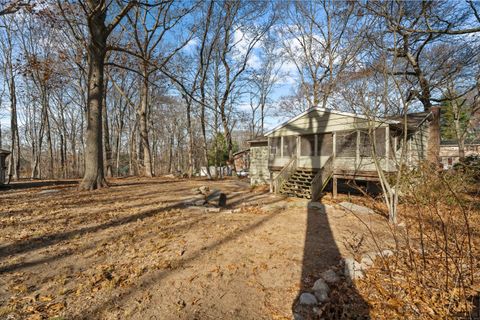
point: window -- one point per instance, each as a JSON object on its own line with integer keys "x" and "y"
{"x": 346, "y": 144}
{"x": 325, "y": 144}
{"x": 289, "y": 146}
{"x": 307, "y": 145}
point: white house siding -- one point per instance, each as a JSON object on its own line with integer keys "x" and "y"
{"x": 318, "y": 121}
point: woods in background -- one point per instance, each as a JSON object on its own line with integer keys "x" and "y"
{"x": 96, "y": 88}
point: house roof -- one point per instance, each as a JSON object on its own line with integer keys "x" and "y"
{"x": 241, "y": 151}
{"x": 414, "y": 120}
{"x": 348, "y": 114}
{"x": 3, "y": 151}
{"x": 258, "y": 139}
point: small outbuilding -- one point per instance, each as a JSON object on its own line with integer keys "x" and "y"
{"x": 3, "y": 166}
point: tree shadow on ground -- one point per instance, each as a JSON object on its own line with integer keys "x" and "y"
{"x": 19, "y": 185}
{"x": 320, "y": 254}
{"x": 146, "y": 283}
{"x": 51, "y": 239}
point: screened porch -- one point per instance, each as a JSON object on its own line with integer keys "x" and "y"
{"x": 351, "y": 150}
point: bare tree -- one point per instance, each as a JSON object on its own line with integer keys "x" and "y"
{"x": 415, "y": 31}
{"x": 263, "y": 80}
{"x": 322, "y": 39}
{"x": 10, "y": 71}
{"x": 95, "y": 12}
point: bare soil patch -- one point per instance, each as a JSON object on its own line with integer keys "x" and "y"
{"x": 136, "y": 251}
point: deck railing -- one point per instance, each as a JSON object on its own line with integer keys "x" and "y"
{"x": 320, "y": 180}
{"x": 284, "y": 174}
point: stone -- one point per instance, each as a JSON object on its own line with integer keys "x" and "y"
{"x": 352, "y": 269}
{"x": 200, "y": 202}
{"x": 204, "y": 190}
{"x": 307, "y": 299}
{"x": 387, "y": 253}
{"x": 330, "y": 276}
{"x": 217, "y": 197}
{"x": 196, "y": 191}
{"x": 315, "y": 205}
{"x": 274, "y": 207}
{"x": 355, "y": 208}
{"x": 366, "y": 261}
{"x": 212, "y": 210}
{"x": 321, "y": 290}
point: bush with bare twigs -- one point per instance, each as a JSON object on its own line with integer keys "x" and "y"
{"x": 435, "y": 273}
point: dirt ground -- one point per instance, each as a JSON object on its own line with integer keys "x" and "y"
{"x": 135, "y": 250}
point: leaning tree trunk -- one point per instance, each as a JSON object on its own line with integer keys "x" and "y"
{"x": 94, "y": 176}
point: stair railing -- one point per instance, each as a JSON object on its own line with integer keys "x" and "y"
{"x": 320, "y": 180}
{"x": 287, "y": 171}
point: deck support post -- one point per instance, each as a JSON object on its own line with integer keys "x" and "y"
{"x": 334, "y": 187}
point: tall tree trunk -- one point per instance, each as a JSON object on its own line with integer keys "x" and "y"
{"x": 170, "y": 153}
{"x": 133, "y": 168}
{"x": 190, "y": 139}
{"x": 143, "y": 114}
{"x": 117, "y": 150}
{"x": 46, "y": 121}
{"x": 106, "y": 138}
{"x": 14, "y": 163}
{"x": 433, "y": 146}
{"x": 94, "y": 175}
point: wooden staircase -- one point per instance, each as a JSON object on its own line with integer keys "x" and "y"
{"x": 304, "y": 183}
{"x": 299, "y": 184}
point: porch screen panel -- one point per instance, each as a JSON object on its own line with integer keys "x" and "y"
{"x": 365, "y": 146}
{"x": 346, "y": 144}
{"x": 366, "y": 143}
{"x": 380, "y": 142}
{"x": 289, "y": 146}
{"x": 325, "y": 144}
{"x": 307, "y": 145}
{"x": 275, "y": 146}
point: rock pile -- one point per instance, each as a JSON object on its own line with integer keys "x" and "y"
{"x": 310, "y": 303}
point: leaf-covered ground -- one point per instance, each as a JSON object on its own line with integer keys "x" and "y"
{"x": 136, "y": 251}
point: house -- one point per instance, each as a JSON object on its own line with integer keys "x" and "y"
{"x": 320, "y": 145}
{"x": 3, "y": 166}
{"x": 449, "y": 154}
